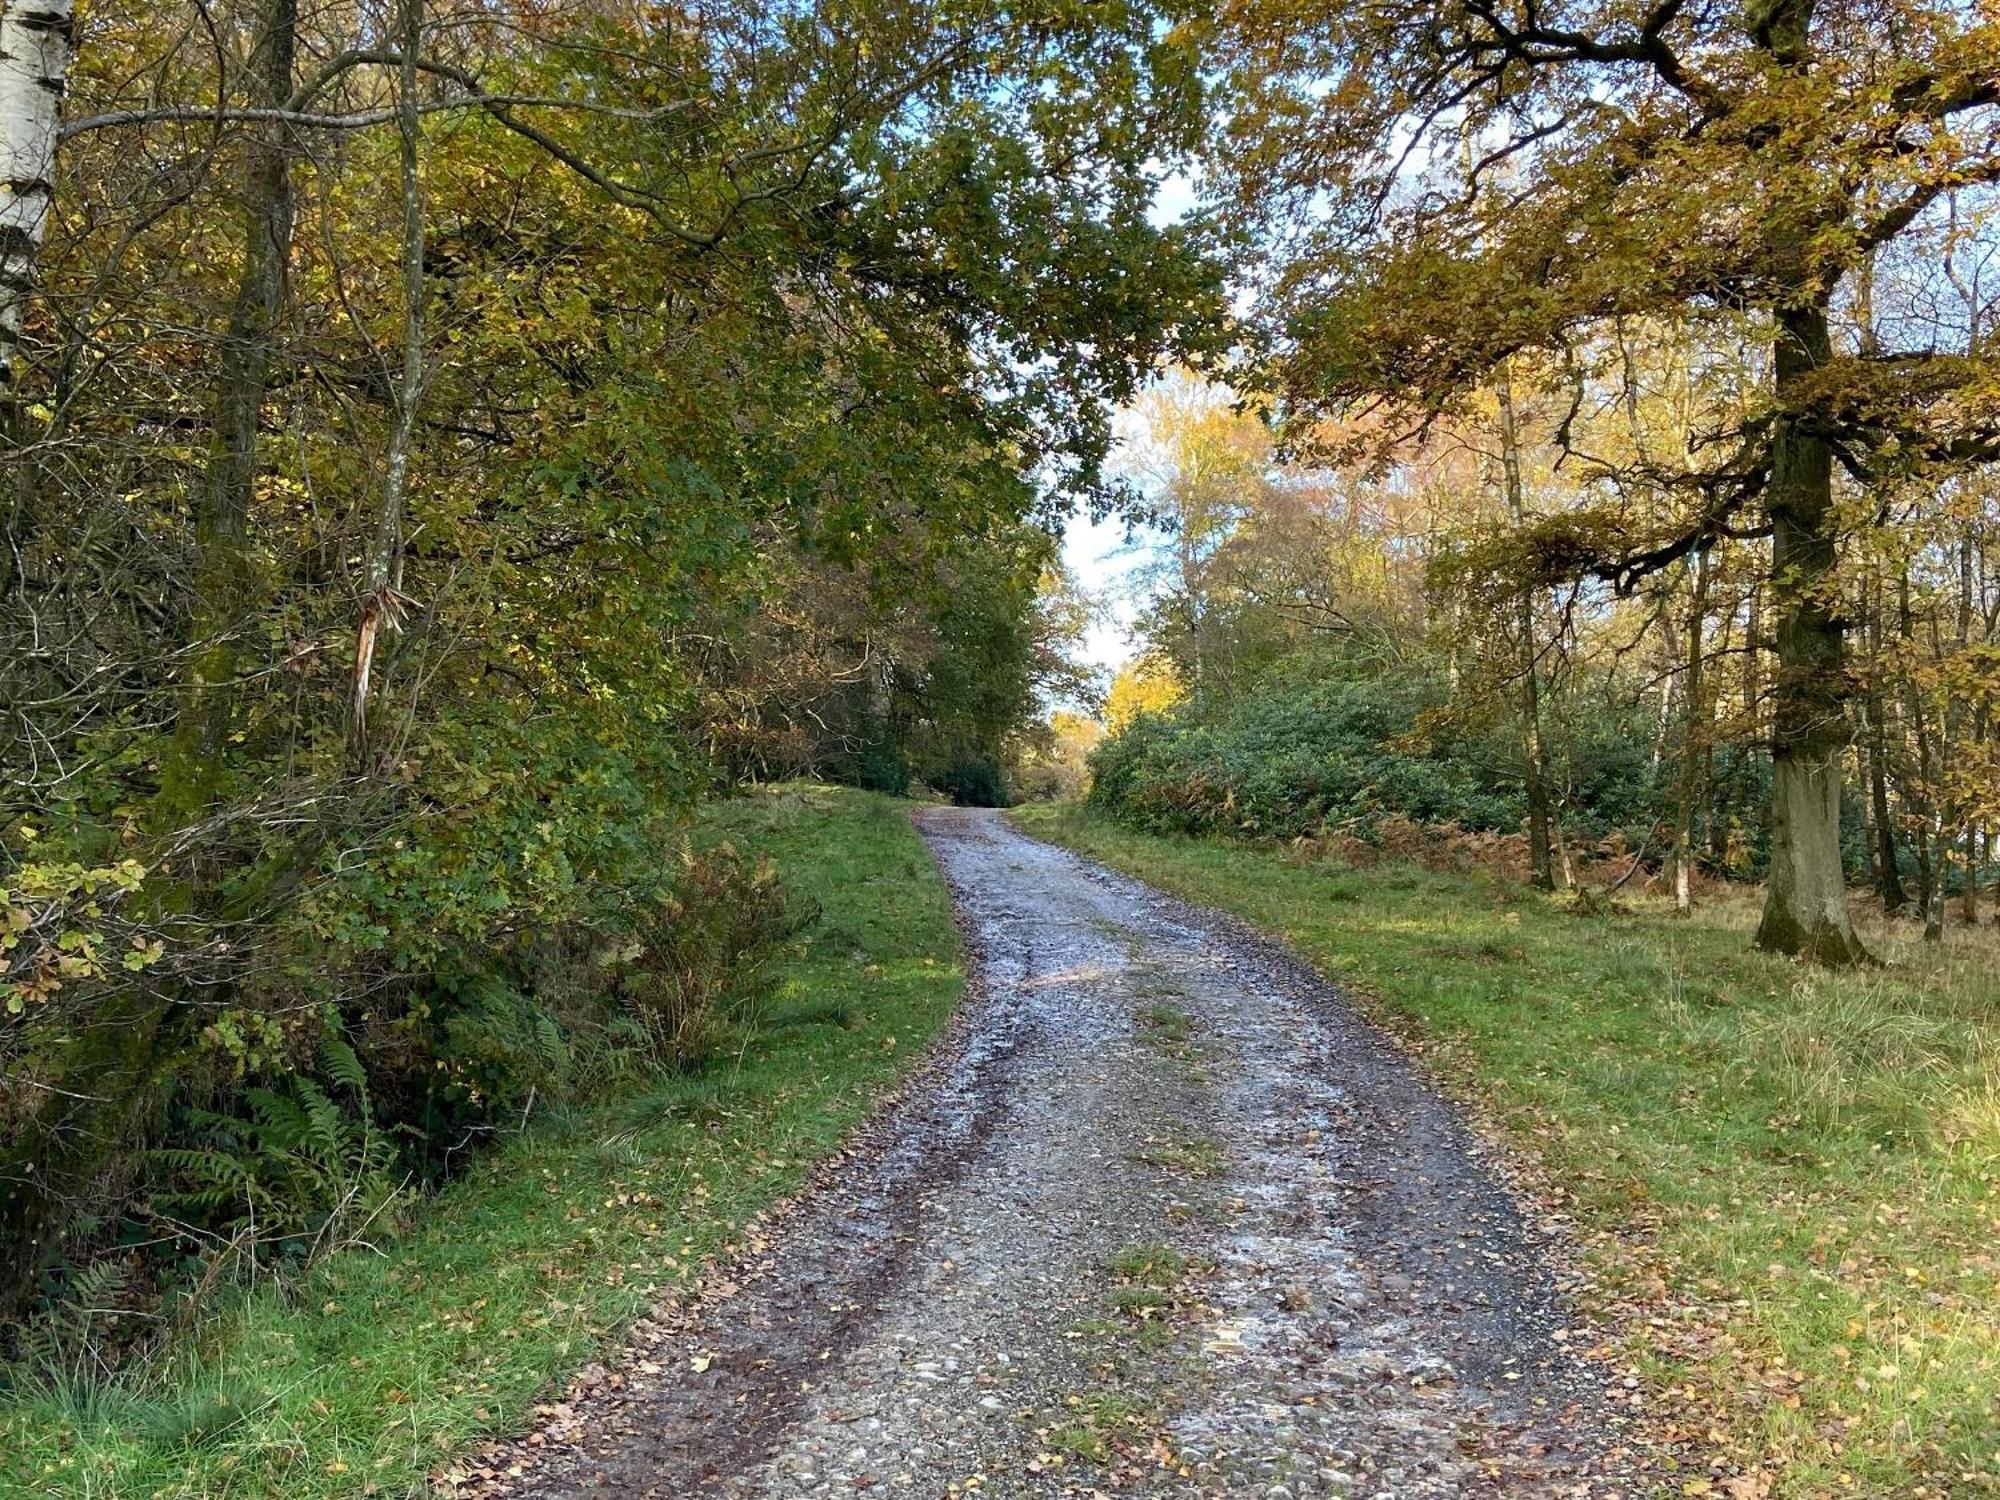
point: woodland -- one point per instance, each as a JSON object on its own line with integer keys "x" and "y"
{"x": 445, "y": 442}
{"x": 448, "y": 443}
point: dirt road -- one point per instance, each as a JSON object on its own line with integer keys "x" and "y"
{"x": 1165, "y": 1219}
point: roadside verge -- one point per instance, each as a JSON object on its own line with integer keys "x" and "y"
{"x": 389, "y": 1363}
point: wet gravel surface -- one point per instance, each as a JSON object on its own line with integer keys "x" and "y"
{"x": 1164, "y": 1217}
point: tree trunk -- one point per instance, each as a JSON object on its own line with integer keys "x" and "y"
{"x": 1964, "y": 729}
{"x": 1716, "y": 794}
{"x": 380, "y": 607}
{"x": 37, "y": 45}
{"x": 1888, "y": 859}
{"x": 1694, "y": 741}
{"x": 1541, "y": 840}
{"x": 223, "y": 567}
{"x": 1741, "y": 792}
{"x": 1805, "y": 912}
{"x": 1923, "y": 797}
{"x": 37, "y": 40}
{"x": 112, "y": 1065}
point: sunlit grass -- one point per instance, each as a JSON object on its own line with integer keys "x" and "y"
{"x": 1784, "y": 1178}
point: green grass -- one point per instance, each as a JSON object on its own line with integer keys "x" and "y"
{"x": 1784, "y": 1178}
{"x": 1168, "y": 1025}
{"x": 1149, "y": 1264}
{"x": 1195, "y": 1156}
{"x": 1097, "y": 1421}
{"x": 379, "y": 1368}
{"x": 1148, "y": 1308}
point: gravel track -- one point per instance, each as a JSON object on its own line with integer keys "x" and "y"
{"x": 1164, "y": 1217}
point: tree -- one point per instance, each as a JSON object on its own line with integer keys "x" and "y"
{"x": 1202, "y": 462}
{"x": 1684, "y": 160}
{"x": 1149, "y": 685}
{"x": 35, "y": 47}
{"x": 672, "y": 312}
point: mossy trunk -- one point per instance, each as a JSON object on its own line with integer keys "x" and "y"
{"x": 1805, "y": 912}
{"x": 1543, "y": 834}
{"x": 223, "y": 574}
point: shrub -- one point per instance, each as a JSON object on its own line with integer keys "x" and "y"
{"x": 698, "y": 957}
{"x": 1331, "y": 743}
{"x": 1322, "y": 744}
{"x": 973, "y": 781}
{"x": 370, "y": 1052}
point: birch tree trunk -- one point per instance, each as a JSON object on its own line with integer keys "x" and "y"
{"x": 36, "y": 48}
{"x": 36, "y": 45}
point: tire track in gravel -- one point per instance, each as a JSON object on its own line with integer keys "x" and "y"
{"x": 972, "y": 1303}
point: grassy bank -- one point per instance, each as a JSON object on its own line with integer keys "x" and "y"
{"x": 1784, "y": 1178}
{"x": 380, "y": 1365}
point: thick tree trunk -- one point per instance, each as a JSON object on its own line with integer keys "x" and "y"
{"x": 1805, "y": 912}
{"x": 223, "y": 572}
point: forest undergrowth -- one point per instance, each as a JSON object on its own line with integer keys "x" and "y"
{"x": 381, "y": 1362}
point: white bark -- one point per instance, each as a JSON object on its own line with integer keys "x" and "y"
{"x": 37, "y": 40}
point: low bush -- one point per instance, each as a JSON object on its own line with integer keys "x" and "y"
{"x": 375, "y": 1365}
{"x": 973, "y": 781}
{"x": 1306, "y": 753}
{"x": 366, "y": 1056}
{"x": 1328, "y": 743}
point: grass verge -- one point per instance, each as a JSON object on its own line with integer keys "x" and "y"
{"x": 1784, "y": 1178}
{"x": 374, "y": 1370}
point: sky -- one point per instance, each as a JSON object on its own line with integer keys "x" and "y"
{"x": 1098, "y": 553}
{"x": 1102, "y": 560}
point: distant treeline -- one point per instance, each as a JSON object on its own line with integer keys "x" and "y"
{"x": 1329, "y": 646}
